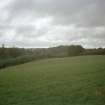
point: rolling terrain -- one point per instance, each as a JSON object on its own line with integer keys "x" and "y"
{"x": 59, "y": 81}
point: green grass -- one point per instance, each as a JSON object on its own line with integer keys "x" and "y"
{"x": 60, "y": 81}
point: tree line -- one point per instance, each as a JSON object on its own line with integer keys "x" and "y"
{"x": 14, "y": 55}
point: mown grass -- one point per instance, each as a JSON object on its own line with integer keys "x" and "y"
{"x": 60, "y": 81}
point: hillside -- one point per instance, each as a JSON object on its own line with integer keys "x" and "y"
{"x": 59, "y": 81}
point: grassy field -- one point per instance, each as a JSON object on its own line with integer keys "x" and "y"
{"x": 61, "y": 81}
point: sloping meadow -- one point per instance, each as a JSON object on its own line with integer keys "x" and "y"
{"x": 58, "y": 81}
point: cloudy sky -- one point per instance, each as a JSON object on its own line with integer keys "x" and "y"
{"x": 47, "y": 23}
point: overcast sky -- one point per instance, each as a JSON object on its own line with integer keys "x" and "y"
{"x": 47, "y": 23}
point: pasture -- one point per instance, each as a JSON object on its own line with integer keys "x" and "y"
{"x": 58, "y": 81}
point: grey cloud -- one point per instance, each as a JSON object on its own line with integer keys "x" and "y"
{"x": 73, "y": 21}
{"x": 81, "y": 12}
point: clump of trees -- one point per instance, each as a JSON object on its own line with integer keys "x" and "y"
{"x": 75, "y": 50}
{"x": 14, "y": 55}
{"x": 98, "y": 51}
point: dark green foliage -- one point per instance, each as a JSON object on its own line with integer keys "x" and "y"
{"x": 3, "y": 54}
{"x": 14, "y": 61}
{"x": 14, "y": 56}
{"x": 98, "y": 51}
{"x": 75, "y": 50}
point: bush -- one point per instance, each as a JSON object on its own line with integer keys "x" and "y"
{"x": 16, "y": 61}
